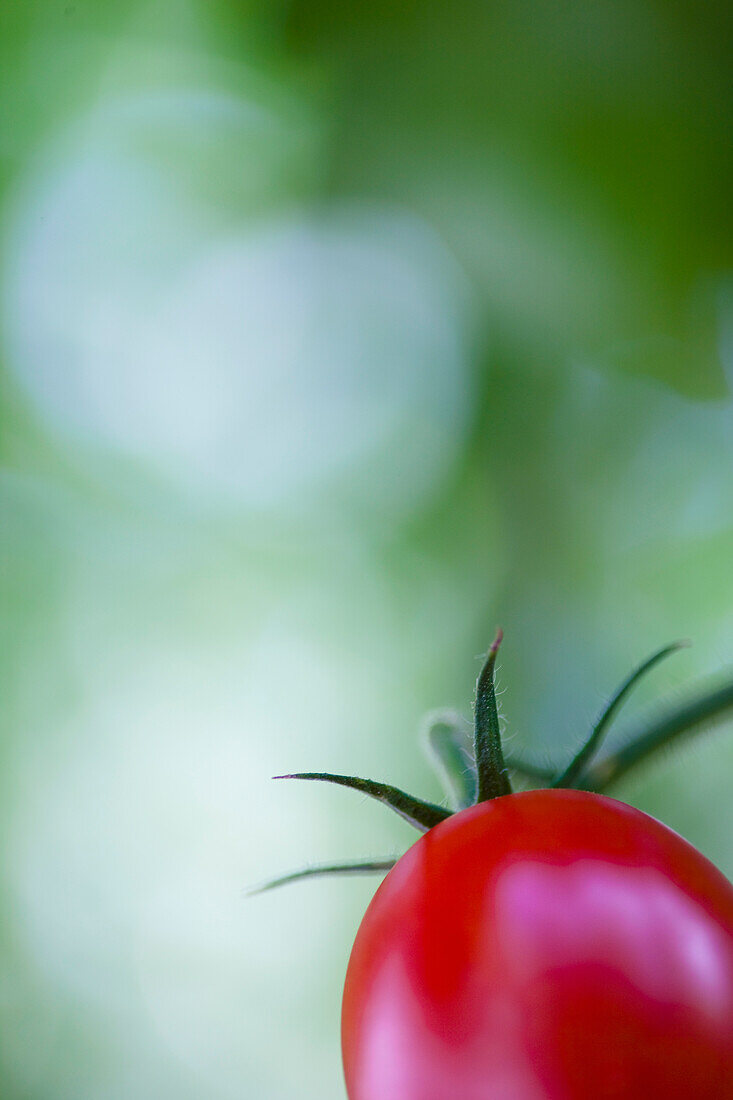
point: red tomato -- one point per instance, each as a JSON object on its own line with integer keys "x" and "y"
{"x": 548, "y": 945}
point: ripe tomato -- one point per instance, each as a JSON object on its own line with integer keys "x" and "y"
{"x": 546, "y": 945}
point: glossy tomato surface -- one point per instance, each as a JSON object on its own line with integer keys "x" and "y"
{"x": 548, "y": 945}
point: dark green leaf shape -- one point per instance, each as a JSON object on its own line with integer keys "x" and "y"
{"x": 370, "y": 867}
{"x": 691, "y": 718}
{"x": 422, "y": 815}
{"x": 572, "y": 774}
{"x": 493, "y": 779}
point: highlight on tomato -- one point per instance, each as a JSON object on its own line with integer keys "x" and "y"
{"x": 546, "y": 944}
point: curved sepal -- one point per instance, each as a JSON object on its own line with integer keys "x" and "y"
{"x": 421, "y": 815}
{"x": 574, "y": 770}
{"x": 691, "y": 718}
{"x": 493, "y": 779}
{"x": 447, "y": 739}
{"x": 370, "y": 867}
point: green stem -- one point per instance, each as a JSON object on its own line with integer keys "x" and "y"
{"x": 493, "y": 778}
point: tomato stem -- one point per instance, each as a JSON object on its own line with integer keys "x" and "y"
{"x": 493, "y": 777}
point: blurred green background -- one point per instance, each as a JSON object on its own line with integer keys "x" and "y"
{"x": 331, "y": 336}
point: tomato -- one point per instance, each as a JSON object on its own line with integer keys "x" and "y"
{"x": 545, "y": 945}
{"x": 549, "y": 945}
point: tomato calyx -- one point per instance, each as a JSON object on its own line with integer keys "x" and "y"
{"x": 474, "y": 770}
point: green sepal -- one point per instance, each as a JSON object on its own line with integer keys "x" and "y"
{"x": 447, "y": 739}
{"x": 421, "y": 815}
{"x": 373, "y": 866}
{"x": 493, "y": 779}
{"x": 690, "y": 718}
{"x": 571, "y": 776}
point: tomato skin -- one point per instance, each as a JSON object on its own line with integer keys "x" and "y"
{"x": 547, "y": 945}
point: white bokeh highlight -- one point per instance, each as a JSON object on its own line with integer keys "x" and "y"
{"x": 261, "y": 364}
